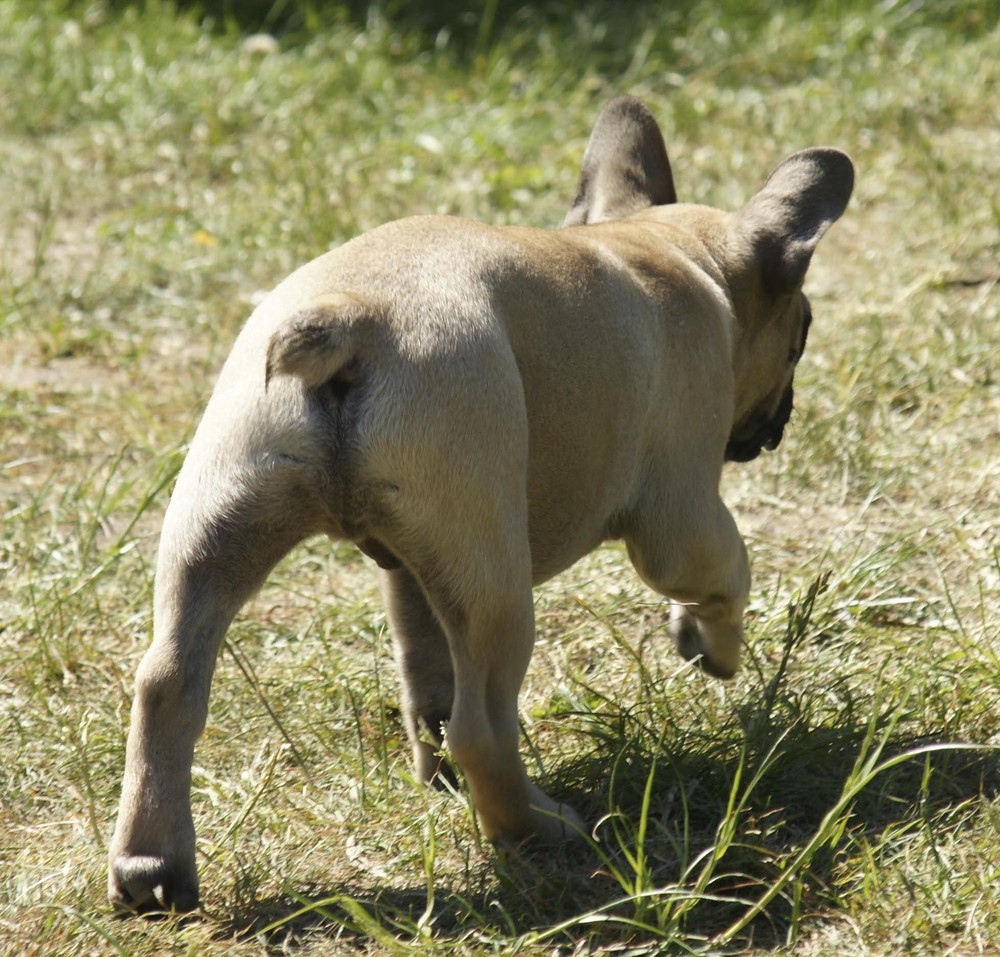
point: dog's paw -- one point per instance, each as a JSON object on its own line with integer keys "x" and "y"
{"x": 714, "y": 647}
{"x": 139, "y": 883}
{"x": 554, "y": 822}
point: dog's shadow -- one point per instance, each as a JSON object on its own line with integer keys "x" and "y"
{"x": 798, "y": 772}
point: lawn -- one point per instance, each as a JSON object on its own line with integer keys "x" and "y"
{"x": 162, "y": 165}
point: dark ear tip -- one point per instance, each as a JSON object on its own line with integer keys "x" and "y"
{"x": 629, "y": 112}
{"x": 626, "y": 103}
{"x": 840, "y": 176}
{"x": 836, "y": 166}
{"x": 839, "y": 165}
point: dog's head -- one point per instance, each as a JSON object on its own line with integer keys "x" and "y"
{"x": 767, "y": 250}
{"x": 764, "y": 427}
{"x": 761, "y": 254}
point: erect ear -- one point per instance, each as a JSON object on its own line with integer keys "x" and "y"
{"x": 625, "y": 166}
{"x": 801, "y": 199}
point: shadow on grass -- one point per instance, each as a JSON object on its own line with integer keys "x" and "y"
{"x": 583, "y": 892}
{"x": 529, "y": 893}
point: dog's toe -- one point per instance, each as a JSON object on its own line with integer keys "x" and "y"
{"x": 690, "y": 641}
{"x": 140, "y": 883}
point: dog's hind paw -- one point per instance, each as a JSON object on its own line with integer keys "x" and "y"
{"x": 139, "y": 883}
{"x": 554, "y": 822}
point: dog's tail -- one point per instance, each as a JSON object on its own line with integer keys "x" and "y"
{"x": 322, "y": 340}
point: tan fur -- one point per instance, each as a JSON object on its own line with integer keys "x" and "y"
{"x": 477, "y": 408}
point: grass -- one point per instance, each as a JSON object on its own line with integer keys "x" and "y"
{"x": 841, "y": 796}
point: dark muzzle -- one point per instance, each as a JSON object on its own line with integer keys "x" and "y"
{"x": 750, "y": 438}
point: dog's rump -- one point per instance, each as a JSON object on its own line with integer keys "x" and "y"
{"x": 460, "y": 331}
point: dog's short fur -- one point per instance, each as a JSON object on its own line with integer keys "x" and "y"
{"x": 477, "y": 408}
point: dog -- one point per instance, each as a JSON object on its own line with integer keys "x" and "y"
{"x": 477, "y": 408}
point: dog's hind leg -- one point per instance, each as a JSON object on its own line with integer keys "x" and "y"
{"x": 689, "y": 549}
{"x": 425, "y": 672}
{"x": 205, "y": 572}
{"x": 456, "y": 517}
{"x": 489, "y": 621}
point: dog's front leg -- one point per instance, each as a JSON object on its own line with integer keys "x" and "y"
{"x": 689, "y": 549}
{"x": 206, "y": 570}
